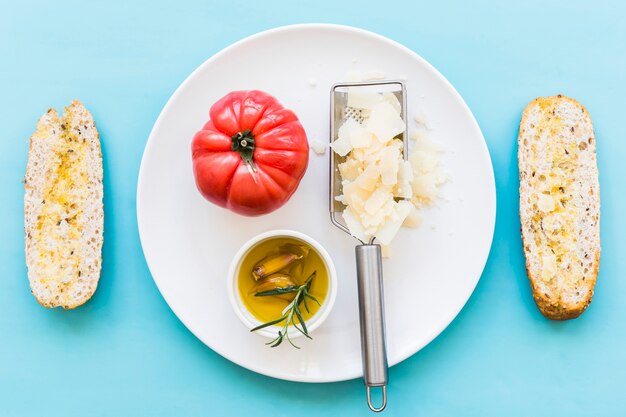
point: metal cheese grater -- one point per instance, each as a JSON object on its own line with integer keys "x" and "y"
{"x": 368, "y": 254}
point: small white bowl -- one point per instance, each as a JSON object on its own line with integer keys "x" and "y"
{"x": 246, "y": 316}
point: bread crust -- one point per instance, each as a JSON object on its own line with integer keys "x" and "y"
{"x": 555, "y": 309}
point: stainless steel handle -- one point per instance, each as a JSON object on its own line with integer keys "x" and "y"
{"x": 369, "y": 272}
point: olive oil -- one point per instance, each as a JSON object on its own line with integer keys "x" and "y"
{"x": 270, "y": 308}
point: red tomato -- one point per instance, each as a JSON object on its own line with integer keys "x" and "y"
{"x": 251, "y": 155}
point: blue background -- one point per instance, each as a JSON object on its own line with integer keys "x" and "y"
{"x": 126, "y": 354}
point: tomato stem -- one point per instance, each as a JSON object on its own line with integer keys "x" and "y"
{"x": 243, "y": 142}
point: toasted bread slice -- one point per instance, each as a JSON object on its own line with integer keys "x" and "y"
{"x": 63, "y": 208}
{"x": 559, "y": 205}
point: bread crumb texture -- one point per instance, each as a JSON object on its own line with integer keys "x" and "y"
{"x": 63, "y": 208}
{"x": 559, "y": 205}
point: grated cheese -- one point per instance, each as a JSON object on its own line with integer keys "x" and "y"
{"x": 383, "y": 192}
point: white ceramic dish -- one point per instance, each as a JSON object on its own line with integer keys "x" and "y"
{"x": 188, "y": 243}
{"x": 242, "y": 312}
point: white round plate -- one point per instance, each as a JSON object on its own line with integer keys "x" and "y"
{"x": 188, "y": 242}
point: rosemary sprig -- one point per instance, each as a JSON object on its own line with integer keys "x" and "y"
{"x": 291, "y": 312}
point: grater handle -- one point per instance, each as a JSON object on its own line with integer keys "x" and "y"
{"x": 369, "y": 273}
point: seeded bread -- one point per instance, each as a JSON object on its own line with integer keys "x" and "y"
{"x": 63, "y": 209}
{"x": 559, "y": 205}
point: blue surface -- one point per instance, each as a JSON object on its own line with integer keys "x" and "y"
{"x": 126, "y": 354}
